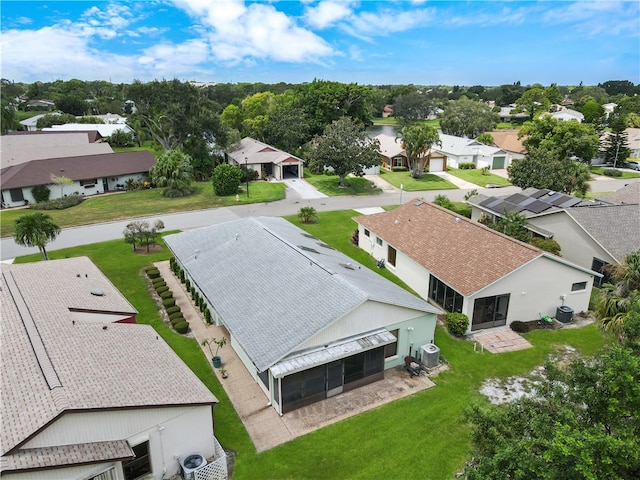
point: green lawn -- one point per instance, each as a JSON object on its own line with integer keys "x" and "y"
{"x": 329, "y": 185}
{"x": 118, "y": 206}
{"x": 422, "y": 436}
{"x": 428, "y": 181}
{"x": 625, "y": 173}
{"x": 476, "y": 176}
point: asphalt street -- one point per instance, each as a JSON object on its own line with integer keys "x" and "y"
{"x": 71, "y": 237}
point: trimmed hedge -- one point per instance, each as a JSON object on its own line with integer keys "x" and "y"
{"x": 520, "y": 327}
{"x": 173, "y": 309}
{"x": 162, "y": 289}
{"x": 182, "y": 327}
{"x": 467, "y": 166}
{"x": 457, "y": 323}
{"x": 612, "y": 172}
{"x": 168, "y": 302}
{"x": 167, "y": 294}
{"x": 158, "y": 280}
{"x": 177, "y": 320}
{"x": 175, "y": 315}
{"x": 154, "y": 273}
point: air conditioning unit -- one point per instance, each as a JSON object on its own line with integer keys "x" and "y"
{"x": 430, "y": 355}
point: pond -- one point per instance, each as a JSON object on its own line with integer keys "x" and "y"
{"x": 375, "y": 130}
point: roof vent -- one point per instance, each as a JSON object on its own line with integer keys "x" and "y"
{"x": 348, "y": 266}
{"x": 418, "y": 203}
{"x": 97, "y": 293}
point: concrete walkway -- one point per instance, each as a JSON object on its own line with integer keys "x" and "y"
{"x": 458, "y": 182}
{"x": 304, "y": 189}
{"x": 264, "y": 425}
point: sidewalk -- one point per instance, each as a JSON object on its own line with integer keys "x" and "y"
{"x": 265, "y": 426}
{"x": 463, "y": 184}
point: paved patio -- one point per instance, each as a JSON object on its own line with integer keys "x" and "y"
{"x": 265, "y": 426}
{"x": 499, "y": 340}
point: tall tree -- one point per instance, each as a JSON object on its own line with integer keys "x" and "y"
{"x": 287, "y": 127}
{"x": 417, "y": 140}
{"x": 582, "y": 423}
{"x": 36, "y": 230}
{"x": 174, "y": 112}
{"x": 412, "y": 107}
{"x": 513, "y": 224}
{"x": 543, "y": 169}
{"x": 564, "y": 140}
{"x": 346, "y": 148}
{"x": 533, "y": 102}
{"x": 467, "y": 118}
{"x": 616, "y": 143}
{"x": 175, "y": 172}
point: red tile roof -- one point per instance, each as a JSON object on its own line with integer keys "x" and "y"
{"x": 464, "y": 254}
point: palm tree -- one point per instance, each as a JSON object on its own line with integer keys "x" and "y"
{"x": 417, "y": 141}
{"x": 174, "y": 171}
{"x": 36, "y": 230}
{"x": 308, "y": 215}
{"x": 617, "y": 299}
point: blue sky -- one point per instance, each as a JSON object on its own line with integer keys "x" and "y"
{"x": 368, "y": 42}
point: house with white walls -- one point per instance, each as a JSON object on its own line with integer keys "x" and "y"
{"x": 86, "y": 394}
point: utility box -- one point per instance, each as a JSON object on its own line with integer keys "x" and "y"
{"x": 430, "y": 355}
{"x": 564, "y": 314}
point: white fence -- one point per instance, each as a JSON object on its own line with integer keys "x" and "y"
{"x": 216, "y": 469}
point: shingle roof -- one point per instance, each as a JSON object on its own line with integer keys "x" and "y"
{"x": 465, "y": 255}
{"x": 274, "y": 286}
{"x": 452, "y": 145}
{"x": 38, "y": 172}
{"x": 615, "y": 227}
{"x": 52, "y": 364}
{"x": 629, "y": 194}
{"x": 257, "y": 152}
{"x": 508, "y": 140}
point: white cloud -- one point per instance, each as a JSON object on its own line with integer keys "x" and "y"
{"x": 237, "y": 32}
{"x": 327, "y": 13}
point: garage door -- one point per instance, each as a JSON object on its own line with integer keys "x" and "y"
{"x": 436, "y": 165}
{"x": 498, "y": 163}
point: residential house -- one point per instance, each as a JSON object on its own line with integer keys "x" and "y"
{"x": 85, "y": 397}
{"x": 307, "y": 321}
{"x": 268, "y": 161}
{"x": 609, "y": 108}
{"x": 105, "y": 129}
{"x": 29, "y": 124}
{"x": 40, "y": 105}
{"x": 21, "y": 147}
{"x": 459, "y": 150}
{"x": 567, "y": 115}
{"x": 506, "y": 114}
{"x": 633, "y": 139}
{"x": 393, "y": 155}
{"x": 90, "y": 175}
{"x": 466, "y": 267}
{"x": 590, "y": 234}
{"x": 508, "y": 141}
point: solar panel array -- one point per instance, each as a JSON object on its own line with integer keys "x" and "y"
{"x": 537, "y": 202}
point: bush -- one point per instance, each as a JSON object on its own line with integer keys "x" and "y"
{"x": 168, "y": 302}
{"x": 547, "y": 244}
{"x": 173, "y": 309}
{"x": 120, "y": 138}
{"x": 612, "y": 172}
{"x": 457, "y": 323}
{"x": 399, "y": 169}
{"x": 153, "y": 273}
{"x": 226, "y": 179}
{"x": 520, "y": 327}
{"x": 60, "y": 203}
{"x": 176, "y": 315}
{"x": 467, "y": 166}
{"x": 158, "y": 282}
{"x": 161, "y": 289}
{"x": 167, "y": 294}
{"x": 182, "y": 327}
{"x": 41, "y": 193}
{"x": 187, "y": 285}
{"x": 207, "y": 315}
{"x": 177, "y": 320}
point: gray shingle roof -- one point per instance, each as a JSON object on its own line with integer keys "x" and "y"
{"x": 615, "y": 227}
{"x": 38, "y": 172}
{"x": 82, "y": 366}
{"x": 275, "y": 287}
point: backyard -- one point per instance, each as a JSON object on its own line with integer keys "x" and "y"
{"x": 421, "y": 436}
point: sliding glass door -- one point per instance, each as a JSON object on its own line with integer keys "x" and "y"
{"x": 490, "y": 312}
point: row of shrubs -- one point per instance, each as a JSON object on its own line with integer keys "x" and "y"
{"x": 197, "y": 299}
{"x": 59, "y": 203}
{"x": 612, "y": 172}
{"x": 176, "y": 317}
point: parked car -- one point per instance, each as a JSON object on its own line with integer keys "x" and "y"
{"x": 633, "y": 165}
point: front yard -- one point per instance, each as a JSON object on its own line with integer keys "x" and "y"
{"x": 422, "y": 436}
{"x": 428, "y": 181}
{"x": 476, "y": 176}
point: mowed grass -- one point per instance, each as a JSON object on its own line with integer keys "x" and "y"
{"x": 122, "y": 205}
{"x": 330, "y": 185}
{"x": 475, "y": 176}
{"x": 423, "y": 436}
{"x": 428, "y": 181}
{"x": 625, "y": 173}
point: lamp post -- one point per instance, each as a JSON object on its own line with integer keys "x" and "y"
{"x": 401, "y": 188}
{"x": 246, "y": 167}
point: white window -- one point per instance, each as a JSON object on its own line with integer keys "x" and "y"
{"x": 577, "y": 287}
{"x": 379, "y": 241}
